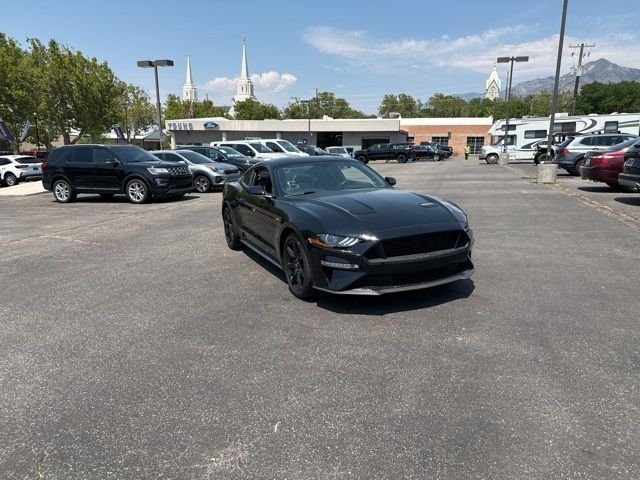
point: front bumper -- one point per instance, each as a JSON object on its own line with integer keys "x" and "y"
{"x": 632, "y": 182}
{"x": 363, "y": 276}
{"x": 482, "y": 156}
{"x": 171, "y": 185}
{"x": 33, "y": 175}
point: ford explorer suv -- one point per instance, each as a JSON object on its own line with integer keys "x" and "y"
{"x": 108, "y": 170}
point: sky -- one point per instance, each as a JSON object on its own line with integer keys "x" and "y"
{"x": 359, "y": 49}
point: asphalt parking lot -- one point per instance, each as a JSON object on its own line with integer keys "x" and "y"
{"x": 136, "y": 345}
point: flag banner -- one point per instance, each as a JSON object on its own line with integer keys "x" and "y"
{"x": 118, "y": 131}
{"x": 25, "y": 130}
{"x": 4, "y": 131}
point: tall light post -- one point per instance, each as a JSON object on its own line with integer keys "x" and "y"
{"x": 155, "y": 64}
{"x": 509, "y": 60}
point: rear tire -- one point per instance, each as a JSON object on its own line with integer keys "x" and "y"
{"x": 10, "y": 179}
{"x": 137, "y": 191}
{"x": 492, "y": 159}
{"x": 363, "y": 159}
{"x": 230, "y": 231}
{"x": 576, "y": 168}
{"x": 297, "y": 268}
{"x": 62, "y": 191}
{"x": 436, "y": 158}
{"x": 401, "y": 158}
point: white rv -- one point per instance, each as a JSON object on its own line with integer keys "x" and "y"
{"x": 526, "y": 133}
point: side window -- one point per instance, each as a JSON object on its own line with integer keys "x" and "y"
{"x": 274, "y": 146}
{"x": 171, "y": 157}
{"x": 4, "y": 161}
{"x": 243, "y": 149}
{"x": 246, "y": 178}
{"x": 262, "y": 178}
{"x": 102, "y": 155}
{"x": 160, "y": 156}
{"x": 586, "y": 141}
{"x": 82, "y": 155}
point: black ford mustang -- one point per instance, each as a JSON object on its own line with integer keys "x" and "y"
{"x": 333, "y": 224}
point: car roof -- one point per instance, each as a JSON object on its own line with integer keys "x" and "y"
{"x": 13, "y": 156}
{"x": 297, "y": 159}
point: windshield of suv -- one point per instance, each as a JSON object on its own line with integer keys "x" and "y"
{"x": 311, "y": 177}
{"x": 131, "y": 154}
{"x": 230, "y": 152}
{"x": 288, "y": 146}
{"x": 261, "y": 148}
{"x": 195, "y": 157}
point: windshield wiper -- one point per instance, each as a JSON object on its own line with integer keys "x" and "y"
{"x": 303, "y": 193}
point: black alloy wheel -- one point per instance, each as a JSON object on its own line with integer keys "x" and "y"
{"x": 363, "y": 159}
{"x": 297, "y": 268}
{"x": 230, "y": 232}
{"x": 10, "y": 179}
{"x": 492, "y": 159}
{"x": 63, "y": 192}
{"x": 401, "y": 158}
{"x": 202, "y": 184}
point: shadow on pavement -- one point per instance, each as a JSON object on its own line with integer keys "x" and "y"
{"x": 397, "y": 302}
{"x": 633, "y": 201}
{"x": 121, "y": 198}
{"x": 268, "y": 266}
{"x": 598, "y": 189}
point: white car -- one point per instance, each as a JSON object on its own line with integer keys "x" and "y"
{"x": 14, "y": 168}
{"x": 249, "y": 148}
{"x": 283, "y": 146}
{"x": 339, "y": 151}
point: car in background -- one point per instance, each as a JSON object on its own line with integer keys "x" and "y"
{"x": 222, "y": 154}
{"x": 570, "y": 154}
{"x": 283, "y": 146}
{"x": 427, "y": 151}
{"x": 402, "y": 152}
{"x": 335, "y": 225}
{"x": 443, "y": 151}
{"x": 313, "y": 151}
{"x": 15, "y": 168}
{"x": 606, "y": 165}
{"x": 630, "y": 176}
{"x": 253, "y": 149}
{"x": 207, "y": 174}
{"x": 111, "y": 169}
{"x": 339, "y": 151}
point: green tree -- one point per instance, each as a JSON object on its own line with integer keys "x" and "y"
{"x": 325, "y": 103}
{"x": 253, "y": 110}
{"x": 175, "y": 108}
{"x": 441, "y": 105}
{"x": 599, "y": 97}
{"x": 405, "y": 105}
{"x": 136, "y": 114}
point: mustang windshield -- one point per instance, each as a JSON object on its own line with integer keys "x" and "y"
{"x": 312, "y": 177}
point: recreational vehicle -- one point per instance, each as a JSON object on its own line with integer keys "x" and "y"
{"x": 526, "y": 133}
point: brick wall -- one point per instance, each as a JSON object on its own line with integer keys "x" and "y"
{"x": 459, "y": 134}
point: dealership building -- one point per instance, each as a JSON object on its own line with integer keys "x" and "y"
{"x": 328, "y": 132}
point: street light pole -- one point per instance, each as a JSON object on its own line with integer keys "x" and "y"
{"x": 155, "y": 64}
{"x": 510, "y": 60}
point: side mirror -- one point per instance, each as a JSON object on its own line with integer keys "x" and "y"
{"x": 257, "y": 190}
{"x": 390, "y": 180}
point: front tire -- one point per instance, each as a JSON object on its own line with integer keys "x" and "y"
{"x": 297, "y": 268}
{"x": 230, "y": 231}
{"x": 202, "y": 184}
{"x": 492, "y": 159}
{"x": 436, "y": 158}
{"x": 401, "y": 158}
{"x": 137, "y": 191}
{"x": 62, "y": 191}
{"x": 363, "y": 159}
{"x": 10, "y": 179}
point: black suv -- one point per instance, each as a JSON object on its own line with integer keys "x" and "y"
{"x": 224, "y": 155}
{"x": 386, "y": 151}
{"x": 111, "y": 169}
{"x": 630, "y": 176}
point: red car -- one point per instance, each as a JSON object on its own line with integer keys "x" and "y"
{"x": 605, "y": 165}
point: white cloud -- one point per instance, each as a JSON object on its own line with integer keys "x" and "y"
{"x": 265, "y": 84}
{"x": 475, "y": 53}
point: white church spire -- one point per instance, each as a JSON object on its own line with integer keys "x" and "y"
{"x": 244, "y": 70}
{"x": 244, "y": 87}
{"x": 189, "y": 91}
{"x": 492, "y": 90}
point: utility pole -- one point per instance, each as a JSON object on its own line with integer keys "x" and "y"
{"x": 578, "y": 73}
{"x": 510, "y": 60}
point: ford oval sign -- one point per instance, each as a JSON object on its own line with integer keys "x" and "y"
{"x": 210, "y": 125}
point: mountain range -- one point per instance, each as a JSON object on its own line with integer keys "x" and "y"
{"x": 601, "y": 70}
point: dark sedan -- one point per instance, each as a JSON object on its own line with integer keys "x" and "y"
{"x": 427, "y": 151}
{"x": 630, "y": 176}
{"x": 606, "y": 165}
{"x": 335, "y": 225}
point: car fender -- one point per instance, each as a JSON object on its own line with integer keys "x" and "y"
{"x": 130, "y": 177}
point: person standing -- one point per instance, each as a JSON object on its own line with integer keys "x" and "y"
{"x": 467, "y": 151}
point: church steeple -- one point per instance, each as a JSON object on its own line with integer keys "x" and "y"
{"x": 244, "y": 87}
{"x": 492, "y": 90}
{"x": 189, "y": 91}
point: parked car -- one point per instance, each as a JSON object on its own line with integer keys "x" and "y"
{"x": 283, "y": 146}
{"x": 15, "y": 168}
{"x": 569, "y": 154}
{"x": 427, "y": 151}
{"x": 335, "y": 225}
{"x": 313, "y": 151}
{"x": 606, "y": 165}
{"x": 111, "y": 169}
{"x": 207, "y": 174}
{"x": 339, "y": 151}
{"x": 402, "y": 152}
{"x": 444, "y": 151}
{"x": 223, "y": 154}
{"x": 630, "y": 176}
{"x": 251, "y": 148}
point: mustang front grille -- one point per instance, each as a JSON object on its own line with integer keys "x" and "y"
{"x": 418, "y": 244}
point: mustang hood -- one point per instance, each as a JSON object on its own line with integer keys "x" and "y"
{"x": 375, "y": 211}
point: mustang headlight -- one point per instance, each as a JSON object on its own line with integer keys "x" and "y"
{"x": 328, "y": 240}
{"x": 157, "y": 170}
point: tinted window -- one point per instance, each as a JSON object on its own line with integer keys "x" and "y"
{"x": 172, "y": 157}
{"x": 261, "y": 148}
{"x": 101, "y": 155}
{"x": 130, "y": 153}
{"x": 603, "y": 141}
{"x": 626, "y": 144}
{"x": 586, "y": 141}
{"x": 82, "y": 155}
{"x": 275, "y": 147}
{"x": 535, "y": 133}
{"x": 287, "y": 145}
{"x": 158, "y": 155}
{"x": 195, "y": 157}
{"x": 243, "y": 149}
{"x": 4, "y": 161}
{"x": 566, "y": 142}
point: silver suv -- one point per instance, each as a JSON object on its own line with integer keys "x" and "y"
{"x": 207, "y": 174}
{"x": 570, "y": 153}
